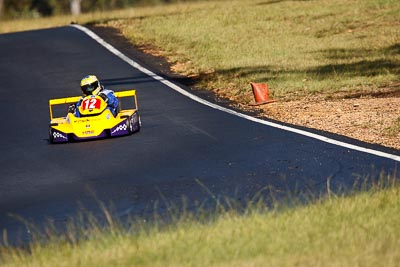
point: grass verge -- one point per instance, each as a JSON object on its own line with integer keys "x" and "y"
{"x": 298, "y": 47}
{"x": 356, "y": 230}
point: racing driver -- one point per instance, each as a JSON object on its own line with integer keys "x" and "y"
{"x": 90, "y": 85}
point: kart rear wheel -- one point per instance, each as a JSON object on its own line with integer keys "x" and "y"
{"x": 134, "y": 125}
{"x": 139, "y": 123}
{"x": 129, "y": 124}
{"x": 51, "y": 137}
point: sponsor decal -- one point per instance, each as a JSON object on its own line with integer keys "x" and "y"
{"x": 59, "y": 135}
{"x": 88, "y": 132}
{"x": 85, "y": 120}
{"x": 120, "y": 128}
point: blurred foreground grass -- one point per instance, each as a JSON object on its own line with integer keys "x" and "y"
{"x": 360, "y": 229}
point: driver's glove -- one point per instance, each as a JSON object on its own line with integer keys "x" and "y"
{"x": 71, "y": 108}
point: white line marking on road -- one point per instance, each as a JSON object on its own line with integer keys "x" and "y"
{"x": 207, "y": 103}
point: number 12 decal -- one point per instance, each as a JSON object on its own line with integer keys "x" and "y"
{"x": 91, "y": 103}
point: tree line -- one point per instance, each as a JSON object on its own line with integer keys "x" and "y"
{"x": 10, "y": 9}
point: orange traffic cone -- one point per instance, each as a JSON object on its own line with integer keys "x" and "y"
{"x": 261, "y": 94}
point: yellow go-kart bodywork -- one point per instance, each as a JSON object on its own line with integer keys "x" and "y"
{"x": 95, "y": 121}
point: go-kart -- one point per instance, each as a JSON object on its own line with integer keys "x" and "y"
{"x": 96, "y": 120}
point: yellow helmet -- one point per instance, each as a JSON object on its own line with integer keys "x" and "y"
{"x": 90, "y": 85}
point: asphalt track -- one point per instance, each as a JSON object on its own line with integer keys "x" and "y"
{"x": 185, "y": 148}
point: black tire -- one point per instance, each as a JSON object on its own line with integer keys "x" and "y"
{"x": 139, "y": 123}
{"x": 129, "y": 124}
{"x": 51, "y": 137}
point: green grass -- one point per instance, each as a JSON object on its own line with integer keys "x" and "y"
{"x": 299, "y": 47}
{"x": 361, "y": 229}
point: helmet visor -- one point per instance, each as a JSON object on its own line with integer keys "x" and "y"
{"x": 89, "y": 88}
